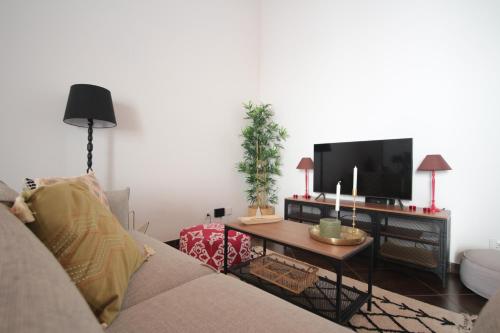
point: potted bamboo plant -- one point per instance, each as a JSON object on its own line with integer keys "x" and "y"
{"x": 262, "y": 144}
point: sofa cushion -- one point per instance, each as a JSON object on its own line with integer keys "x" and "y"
{"x": 99, "y": 256}
{"x": 7, "y": 195}
{"x": 21, "y": 210}
{"x": 36, "y": 294}
{"x": 219, "y": 303}
{"x": 167, "y": 269}
{"x": 489, "y": 320}
{"x": 89, "y": 179}
{"x": 119, "y": 205}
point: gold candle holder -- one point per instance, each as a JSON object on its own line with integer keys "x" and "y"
{"x": 354, "y": 192}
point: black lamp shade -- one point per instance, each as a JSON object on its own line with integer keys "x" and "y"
{"x": 86, "y": 101}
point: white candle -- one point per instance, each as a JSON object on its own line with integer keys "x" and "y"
{"x": 337, "y": 199}
{"x": 355, "y": 181}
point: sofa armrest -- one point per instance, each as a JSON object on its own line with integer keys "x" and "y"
{"x": 488, "y": 320}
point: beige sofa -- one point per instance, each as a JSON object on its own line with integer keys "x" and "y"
{"x": 172, "y": 292}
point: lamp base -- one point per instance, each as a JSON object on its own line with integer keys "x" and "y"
{"x": 434, "y": 209}
{"x": 306, "y": 196}
{"x": 431, "y": 210}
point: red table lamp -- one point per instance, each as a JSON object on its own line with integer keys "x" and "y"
{"x": 433, "y": 163}
{"x": 306, "y": 164}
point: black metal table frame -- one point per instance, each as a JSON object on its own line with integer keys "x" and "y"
{"x": 337, "y": 264}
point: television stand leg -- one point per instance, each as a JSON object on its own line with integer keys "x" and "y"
{"x": 401, "y": 204}
{"x": 321, "y": 195}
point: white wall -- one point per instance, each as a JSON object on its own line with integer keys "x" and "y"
{"x": 361, "y": 70}
{"x": 178, "y": 71}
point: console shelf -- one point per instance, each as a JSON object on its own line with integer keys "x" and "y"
{"x": 410, "y": 238}
{"x": 412, "y": 255}
{"x": 305, "y": 217}
{"x": 410, "y": 234}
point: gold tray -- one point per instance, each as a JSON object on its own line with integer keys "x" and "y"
{"x": 348, "y": 236}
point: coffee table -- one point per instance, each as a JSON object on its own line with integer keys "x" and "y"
{"x": 327, "y": 298}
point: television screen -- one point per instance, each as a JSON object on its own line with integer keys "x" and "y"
{"x": 385, "y": 167}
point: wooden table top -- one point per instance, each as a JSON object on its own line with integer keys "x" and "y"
{"x": 297, "y": 235}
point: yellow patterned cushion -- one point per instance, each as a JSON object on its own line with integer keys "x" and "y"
{"x": 89, "y": 179}
{"x": 96, "y": 252}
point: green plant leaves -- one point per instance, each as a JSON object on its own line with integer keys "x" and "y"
{"x": 262, "y": 144}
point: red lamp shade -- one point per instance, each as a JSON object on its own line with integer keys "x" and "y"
{"x": 433, "y": 163}
{"x": 306, "y": 163}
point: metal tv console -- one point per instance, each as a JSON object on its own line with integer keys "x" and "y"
{"x": 407, "y": 237}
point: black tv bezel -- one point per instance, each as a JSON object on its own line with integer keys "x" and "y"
{"x": 361, "y": 194}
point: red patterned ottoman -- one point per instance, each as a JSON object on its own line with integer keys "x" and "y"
{"x": 205, "y": 242}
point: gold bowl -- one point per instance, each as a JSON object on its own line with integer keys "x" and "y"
{"x": 348, "y": 236}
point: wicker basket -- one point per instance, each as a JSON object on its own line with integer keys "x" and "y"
{"x": 288, "y": 273}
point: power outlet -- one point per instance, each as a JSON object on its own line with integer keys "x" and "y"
{"x": 495, "y": 244}
{"x": 229, "y": 211}
{"x": 219, "y": 212}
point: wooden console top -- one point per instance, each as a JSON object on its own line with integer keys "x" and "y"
{"x": 394, "y": 209}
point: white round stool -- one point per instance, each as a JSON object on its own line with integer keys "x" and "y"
{"x": 480, "y": 271}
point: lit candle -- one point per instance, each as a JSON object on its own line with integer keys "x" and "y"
{"x": 337, "y": 199}
{"x": 355, "y": 181}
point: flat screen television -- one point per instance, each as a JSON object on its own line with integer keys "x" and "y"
{"x": 385, "y": 167}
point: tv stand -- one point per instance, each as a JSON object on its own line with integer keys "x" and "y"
{"x": 407, "y": 237}
{"x": 321, "y": 195}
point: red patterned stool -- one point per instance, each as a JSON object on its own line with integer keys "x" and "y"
{"x": 205, "y": 242}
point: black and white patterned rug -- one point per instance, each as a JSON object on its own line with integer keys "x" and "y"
{"x": 395, "y": 313}
{"x": 399, "y": 314}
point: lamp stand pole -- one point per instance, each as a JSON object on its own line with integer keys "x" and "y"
{"x": 90, "y": 146}
{"x": 433, "y": 203}
{"x": 307, "y": 196}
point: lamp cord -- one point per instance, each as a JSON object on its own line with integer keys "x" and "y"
{"x": 90, "y": 146}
